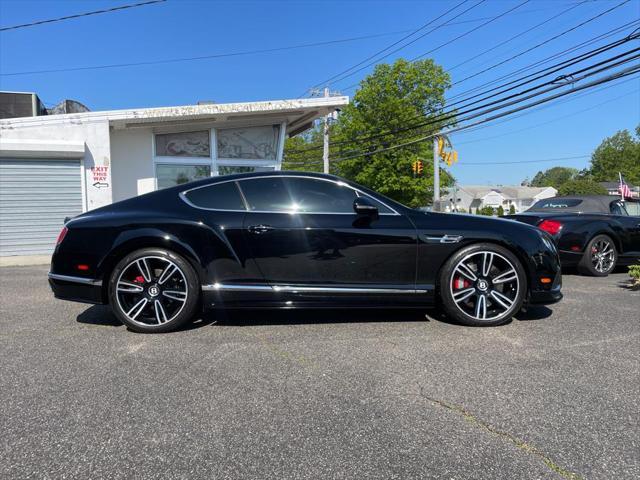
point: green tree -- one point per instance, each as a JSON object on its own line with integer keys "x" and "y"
{"x": 618, "y": 153}
{"x": 582, "y": 187}
{"x": 554, "y": 177}
{"x": 391, "y": 98}
{"x": 304, "y": 152}
{"x": 477, "y": 211}
{"x": 512, "y": 209}
{"x": 500, "y": 211}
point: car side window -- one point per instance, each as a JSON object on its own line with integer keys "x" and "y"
{"x": 319, "y": 196}
{"x": 268, "y": 194}
{"x": 618, "y": 209}
{"x": 222, "y": 196}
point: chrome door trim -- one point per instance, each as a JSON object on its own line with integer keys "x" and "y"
{"x": 72, "y": 279}
{"x": 300, "y": 288}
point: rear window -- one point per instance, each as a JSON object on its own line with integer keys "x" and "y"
{"x": 222, "y": 196}
{"x": 555, "y": 204}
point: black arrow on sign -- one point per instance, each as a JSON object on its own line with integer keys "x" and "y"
{"x": 101, "y": 185}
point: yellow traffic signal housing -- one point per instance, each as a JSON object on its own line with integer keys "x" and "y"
{"x": 419, "y": 167}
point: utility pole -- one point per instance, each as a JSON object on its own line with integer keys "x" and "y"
{"x": 436, "y": 176}
{"x": 325, "y": 145}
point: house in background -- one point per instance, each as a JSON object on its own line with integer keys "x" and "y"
{"x": 613, "y": 188}
{"x": 462, "y": 198}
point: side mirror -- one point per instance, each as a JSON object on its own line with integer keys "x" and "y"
{"x": 362, "y": 206}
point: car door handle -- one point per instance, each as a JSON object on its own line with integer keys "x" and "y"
{"x": 258, "y": 229}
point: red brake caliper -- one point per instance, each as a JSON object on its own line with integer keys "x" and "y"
{"x": 139, "y": 279}
{"x": 460, "y": 282}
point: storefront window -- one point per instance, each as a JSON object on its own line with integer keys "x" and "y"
{"x": 250, "y": 143}
{"x": 231, "y": 169}
{"x": 171, "y": 175}
{"x": 184, "y": 144}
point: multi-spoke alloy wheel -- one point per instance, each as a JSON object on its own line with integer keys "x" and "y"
{"x": 150, "y": 290}
{"x": 600, "y": 257}
{"x": 482, "y": 285}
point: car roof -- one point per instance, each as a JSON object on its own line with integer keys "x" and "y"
{"x": 588, "y": 204}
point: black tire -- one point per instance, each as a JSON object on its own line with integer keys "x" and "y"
{"x": 170, "y": 302}
{"x": 590, "y": 261}
{"x": 502, "y": 299}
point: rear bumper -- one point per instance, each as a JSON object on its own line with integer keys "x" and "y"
{"x": 76, "y": 289}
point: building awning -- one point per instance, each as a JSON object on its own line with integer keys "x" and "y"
{"x": 298, "y": 113}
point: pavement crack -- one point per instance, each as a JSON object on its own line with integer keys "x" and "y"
{"x": 519, "y": 443}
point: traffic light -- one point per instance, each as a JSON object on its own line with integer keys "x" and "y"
{"x": 449, "y": 157}
{"x": 417, "y": 167}
{"x": 420, "y": 167}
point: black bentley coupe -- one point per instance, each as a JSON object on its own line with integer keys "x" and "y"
{"x": 593, "y": 232}
{"x": 296, "y": 240}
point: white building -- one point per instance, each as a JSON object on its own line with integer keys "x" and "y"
{"x": 478, "y": 196}
{"x": 56, "y": 166}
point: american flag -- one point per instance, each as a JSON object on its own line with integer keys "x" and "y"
{"x": 625, "y": 191}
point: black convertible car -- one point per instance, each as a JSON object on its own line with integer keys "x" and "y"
{"x": 293, "y": 240}
{"x": 593, "y": 232}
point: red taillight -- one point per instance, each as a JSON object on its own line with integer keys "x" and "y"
{"x": 82, "y": 266}
{"x": 552, "y": 227}
{"x": 61, "y": 235}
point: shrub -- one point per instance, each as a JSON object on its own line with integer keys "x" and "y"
{"x": 512, "y": 210}
{"x": 634, "y": 273}
{"x": 500, "y": 211}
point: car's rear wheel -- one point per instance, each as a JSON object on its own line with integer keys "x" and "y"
{"x": 482, "y": 285}
{"x": 153, "y": 291}
{"x": 600, "y": 257}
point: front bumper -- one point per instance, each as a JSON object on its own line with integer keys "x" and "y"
{"x": 76, "y": 289}
{"x": 570, "y": 259}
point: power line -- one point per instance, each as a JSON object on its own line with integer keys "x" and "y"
{"x": 202, "y": 57}
{"x": 544, "y": 22}
{"x": 581, "y": 45}
{"x": 495, "y": 104}
{"x": 447, "y": 43}
{"x": 514, "y": 162}
{"x": 605, "y": 35}
{"x": 542, "y": 43}
{"x": 531, "y": 127}
{"x": 78, "y": 15}
{"x": 342, "y": 74}
{"x": 620, "y": 74}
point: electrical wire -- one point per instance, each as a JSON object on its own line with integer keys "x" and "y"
{"x": 538, "y": 45}
{"x": 396, "y": 43}
{"x": 493, "y": 105}
{"x": 78, "y": 15}
{"x": 605, "y": 35}
{"x": 447, "y": 43}
{"x": 621, "y": 74}
{"x": 510, "y": 39}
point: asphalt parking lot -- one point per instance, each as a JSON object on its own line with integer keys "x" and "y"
{"x": 367, "y": 394}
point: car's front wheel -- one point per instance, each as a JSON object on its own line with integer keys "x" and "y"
{"x": 153, "y": 291}
{"x": 600, "y": 257}
{"x": 482, "y": 285}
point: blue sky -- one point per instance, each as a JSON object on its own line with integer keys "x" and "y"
{"x": 185, "y": 28}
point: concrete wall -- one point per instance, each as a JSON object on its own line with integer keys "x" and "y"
{"x": 132, "y": 161}
{"x": 43, "y": 138}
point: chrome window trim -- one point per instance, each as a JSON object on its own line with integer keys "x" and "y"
{"x": 183, "y": 196}
{"x": 72, "y": 279}
{"x": 294, "y": 289}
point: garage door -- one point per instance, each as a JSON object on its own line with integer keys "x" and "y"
{"x": 35, "y": 197}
